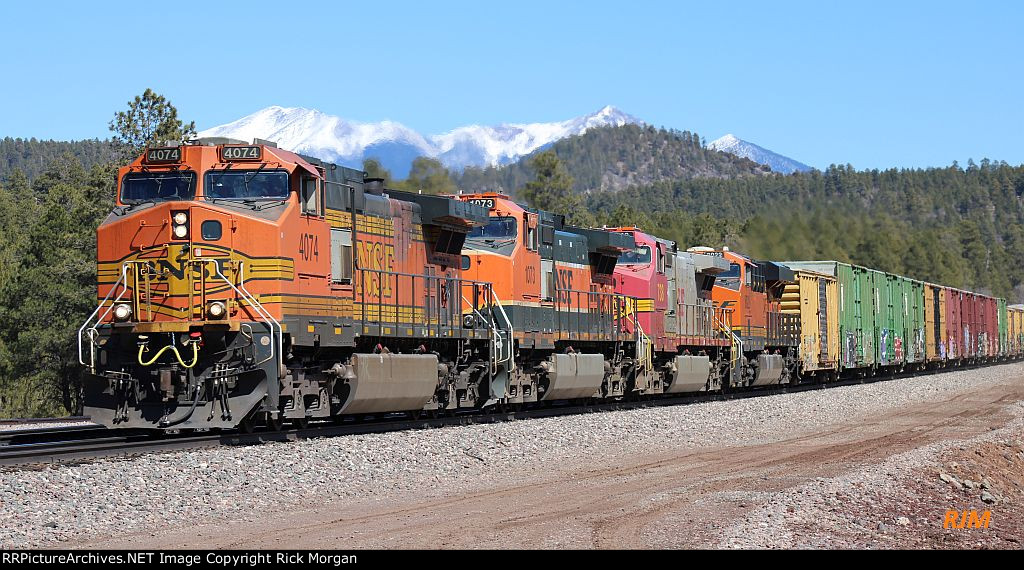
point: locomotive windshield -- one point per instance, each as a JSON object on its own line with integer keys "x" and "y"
{"x": 158, "y": 186}
{"x": 730, "y": 279}
{"x": 246, "y": 185}
{"x": 639, "y": 256}
{"x": 501, "y": 227}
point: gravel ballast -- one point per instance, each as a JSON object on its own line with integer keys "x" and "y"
{"x": 42, "y": 425}
{"x": 869, "y": 507}
{"x": 106, "y": 497}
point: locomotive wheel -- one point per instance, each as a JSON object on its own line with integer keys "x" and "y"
{"x": 248, "y": 424}
{"x": 300, "y": 423}
{"x": 273, "y": 423}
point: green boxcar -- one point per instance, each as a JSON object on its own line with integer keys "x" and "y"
{"x": 881, "y": 316}
{"x": 900, "y": 327}
{"x": 917, "y": 325}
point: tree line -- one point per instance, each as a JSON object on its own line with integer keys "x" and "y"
{"x": 48, "y": 220}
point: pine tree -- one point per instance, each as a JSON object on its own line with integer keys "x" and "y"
{"x": 151, "y": 120}
{"x": 51, "y": 289}
{"x": 551, "y": 190}
{"x": 374, "y": 169}
{"x": 428, "y": 176}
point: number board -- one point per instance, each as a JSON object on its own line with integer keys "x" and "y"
{"x": 229, "y": 153}
{"x": 163, "y": 155}
{"x": 485, "y": 202}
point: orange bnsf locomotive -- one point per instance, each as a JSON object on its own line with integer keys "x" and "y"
{"x": 766, "y": 337}
{"x": 243, "y": 284}
{"x": 569, "y": 327}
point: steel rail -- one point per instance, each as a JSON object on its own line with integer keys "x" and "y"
{"x": 18, "y": 421}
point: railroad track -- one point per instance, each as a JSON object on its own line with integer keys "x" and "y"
{"x": 29, "y": 421}
{"x": 81, "y": 443}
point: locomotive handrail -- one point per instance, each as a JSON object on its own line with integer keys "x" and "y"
{"x": 644, "y": 344}
{"x": 696, "y": 319}
{"x": 600, "y": 298}
{"x": 92, "y": 342}
{"x": 502, "y": 338}
{"x": 495, "y": 300}
{"x": 495, "y": 331}
{"x": 269, "y": 319}
{"x": 737, "y": 341}
{"x": 437, "y": 288}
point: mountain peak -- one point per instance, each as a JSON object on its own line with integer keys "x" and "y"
{"x": 732, "y": 144}
{"x": 333, "y": 138}
{"x": 614, "y": 115}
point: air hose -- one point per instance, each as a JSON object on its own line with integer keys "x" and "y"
{"x": 195, "y": 355}
{"x": 164, "y": 422}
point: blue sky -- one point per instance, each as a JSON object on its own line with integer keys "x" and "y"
{"x": 874, "y": 84}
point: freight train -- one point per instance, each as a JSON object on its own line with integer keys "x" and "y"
{"x": 243, "y": 285}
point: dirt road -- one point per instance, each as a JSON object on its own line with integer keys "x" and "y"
{"x": 677, "y": 499}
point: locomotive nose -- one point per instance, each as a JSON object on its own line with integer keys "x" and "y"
{"x": 182, "y": 269}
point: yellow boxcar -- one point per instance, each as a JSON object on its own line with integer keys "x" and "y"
{"x": 1015, "y": 334}
{"x": 934, "y": 322}
{"x": 815, "y": 297}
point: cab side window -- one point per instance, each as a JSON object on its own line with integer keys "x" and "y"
{"x": 341, "y": 255}
{"x": 310, "y": 196}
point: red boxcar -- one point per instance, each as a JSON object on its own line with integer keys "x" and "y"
{"x": 988, "y": 335}
{"x": 954, "y": 332}
{"x": 972, "y": 315}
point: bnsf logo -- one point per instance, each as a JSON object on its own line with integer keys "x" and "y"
{"x": 378, "y": 259}
{"x": 563, "y": 279}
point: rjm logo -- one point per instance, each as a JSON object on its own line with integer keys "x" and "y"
{"x": 970, "y": 519}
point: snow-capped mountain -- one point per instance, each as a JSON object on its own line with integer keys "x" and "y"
{"x": 739, "y": 147}
{"x": 348, "y": 142}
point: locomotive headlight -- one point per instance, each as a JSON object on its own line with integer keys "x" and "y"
{"x": 122, "y": 312}
{"x": 180, "y": 218}
{"x": 468, "y": 321}
{"x": 180, "y": 231}
{"x": 216, "y": 310}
